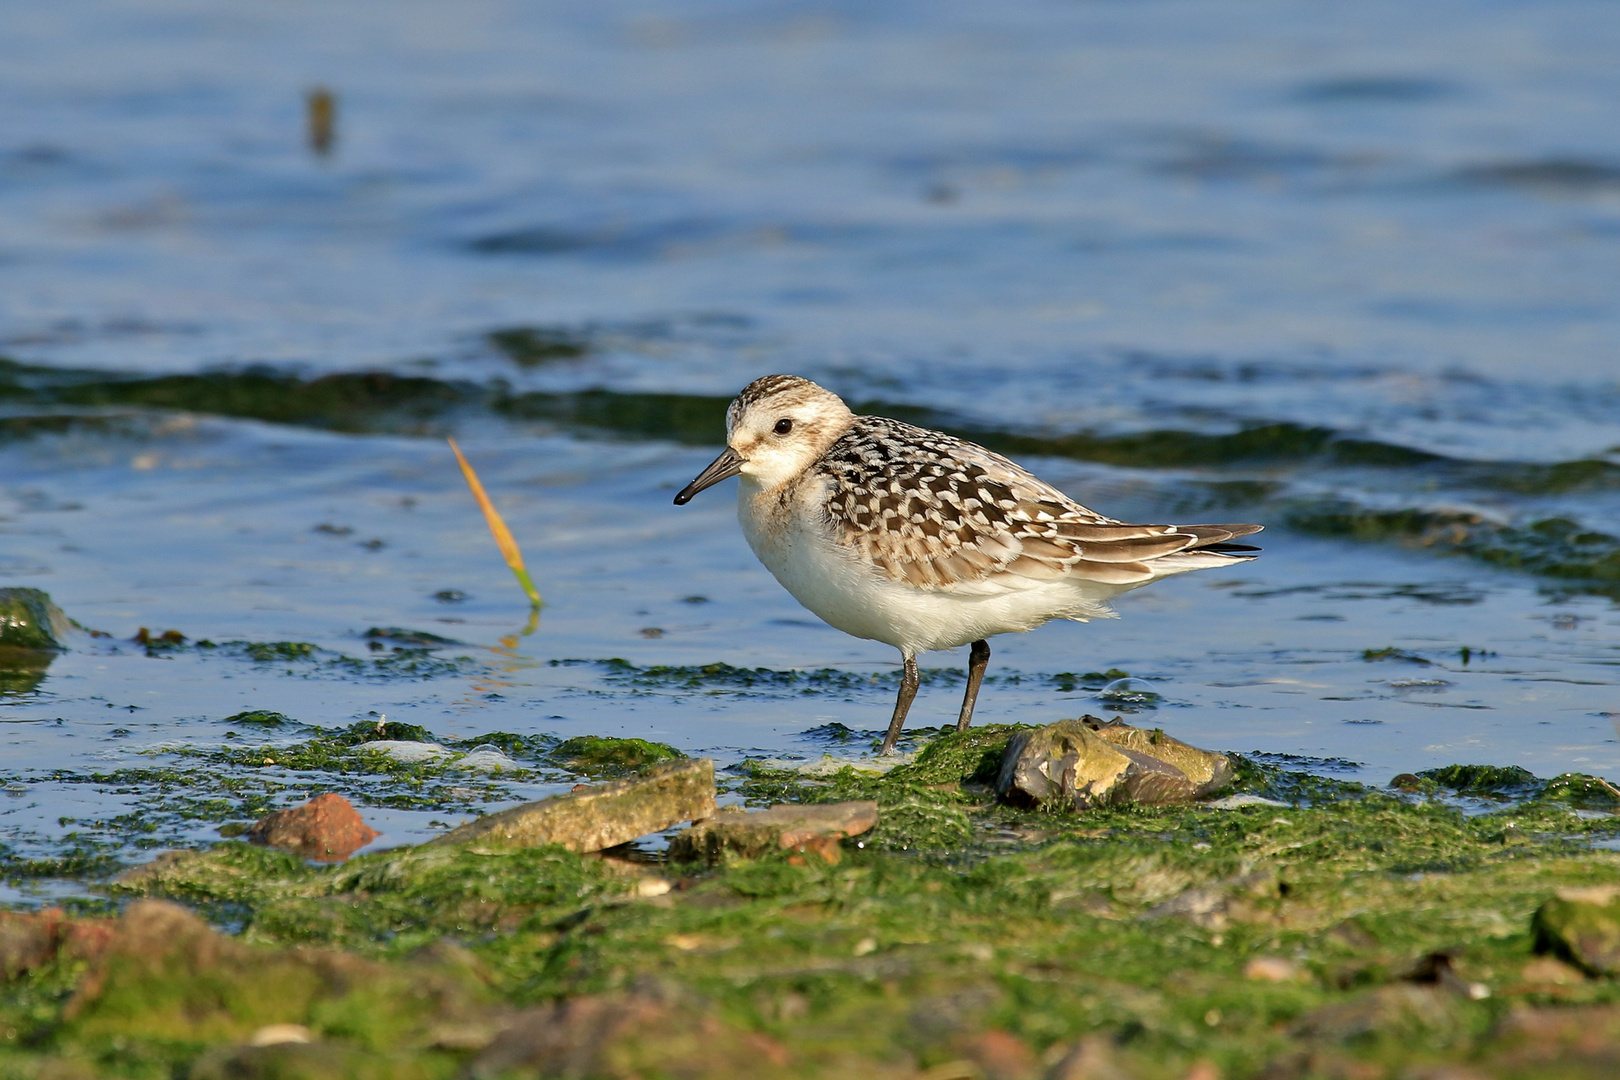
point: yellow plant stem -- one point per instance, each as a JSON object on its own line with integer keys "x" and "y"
{"x": 497, "y": 527}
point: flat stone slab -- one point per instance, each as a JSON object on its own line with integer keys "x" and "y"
{"x": 800, "y": 827}
{"x": 603, "y": 816}
{"x": 1070, "y": 762}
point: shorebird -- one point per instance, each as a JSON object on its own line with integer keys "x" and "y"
{"x": 924, "y": 541}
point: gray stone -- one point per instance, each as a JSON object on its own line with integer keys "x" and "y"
{"x": 593, "y": 818}
{"x": 1071, "y": 763}
{"x": 816, "y": 827}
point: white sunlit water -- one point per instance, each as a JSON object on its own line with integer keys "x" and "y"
{"x": 1397, "y": 222}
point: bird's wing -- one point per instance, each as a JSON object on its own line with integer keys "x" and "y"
{"x": 937, "y": 512}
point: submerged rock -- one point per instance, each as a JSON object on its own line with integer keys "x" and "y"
{"x": 1582, "y": 925}
{"x": 603, "y": 816}
{"x": 817, "y": 828}
{"x": 1071, "y": 762}
{"x": 326, "y": 829}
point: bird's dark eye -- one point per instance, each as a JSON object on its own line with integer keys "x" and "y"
{"x": 783, "y": 426}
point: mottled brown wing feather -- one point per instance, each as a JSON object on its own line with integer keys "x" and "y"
{"x": 935, "y": 511}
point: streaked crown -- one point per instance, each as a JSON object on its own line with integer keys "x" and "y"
{"x": 780, "y": 424}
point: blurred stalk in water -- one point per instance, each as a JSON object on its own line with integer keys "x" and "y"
{"x": 321, "y": 111}
{"x": 497, "y": 528}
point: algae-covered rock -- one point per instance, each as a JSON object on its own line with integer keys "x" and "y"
{"x": 1582, "y": 924}
{"x": 1489, "y": 781}
{"x": 327, "y": 829}
{"x": 32, "y": 631}
{"x": 28, "y": 620}
{"x": 818, "y": 827}
{"x": 262, "y": 718}
{"x": 596, "y": 755}
{"x": 603, "y": 816}
{"x": 1069, "y": 762}
{"x": 1207, "y": 769}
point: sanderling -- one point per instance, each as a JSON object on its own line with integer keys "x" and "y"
{"x": 925, "y": 541}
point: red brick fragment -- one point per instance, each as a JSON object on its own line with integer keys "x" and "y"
{"x": 326, "y": 829}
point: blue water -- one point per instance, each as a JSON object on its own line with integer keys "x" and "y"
{"x": 1399, "y": 222}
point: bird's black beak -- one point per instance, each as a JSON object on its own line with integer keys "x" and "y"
{"x": 727, "y": 465}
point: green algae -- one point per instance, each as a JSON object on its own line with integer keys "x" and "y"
{"x": 594, "y": 755}
{"x": 536, "y": 346}
{"x": 1489, "y": 780}
{"x": 1389, "y": 652}
{"x": 414, "y": 656}
{"x": 400, "y": 636}
{"x": 1551, "y": 547}
{"x": 723, "y": 678}
{"x": 1134, "y": 923}
{"x": 162, "y": 805}
{"x": 265, "y": 652}
{"x": 259, "y": 718}
{"x": 381, "y": 402}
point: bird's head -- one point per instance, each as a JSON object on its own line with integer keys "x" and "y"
{"x": 775, "y": 428}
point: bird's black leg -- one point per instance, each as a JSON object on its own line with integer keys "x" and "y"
{"x": 978, "y": 657}
{"x": 902, "y": 704}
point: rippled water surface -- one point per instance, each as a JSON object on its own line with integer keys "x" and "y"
{"x": 1350, "y": 273}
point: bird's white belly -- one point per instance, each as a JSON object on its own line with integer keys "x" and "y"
{"x": 852, "y": 595}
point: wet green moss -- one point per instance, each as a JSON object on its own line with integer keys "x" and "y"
{"x": 536, "y": 346}
{"x": 352, "y": 402}
{"x": 594, "y": 755}
{"x": 261, "y": 718}
{"x": 414, "y": 657}
{"x": 722, "y": 678}
{"x": 1551, "y": 547}
{"x": 265, "y": 652}
{"x": 1497, "y": 781}
{"x": 954, "y": 919}
{"x": 958, "y": 757}
{"x": 1389, "y": 652}
{"x": 383, "y": 402}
